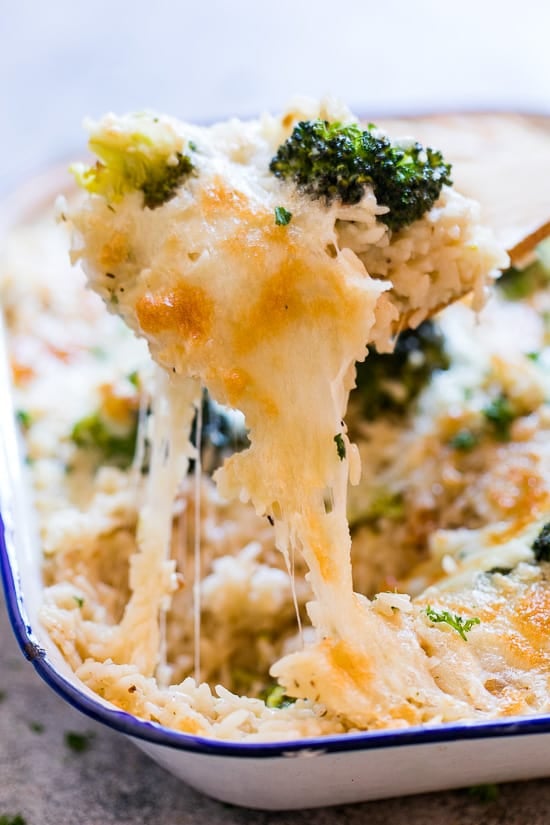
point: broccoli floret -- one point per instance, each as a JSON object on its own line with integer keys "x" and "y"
{"x": 275, "y": 697}
{"x": 335, "y": 161}
{"x": 137, "y": 153}
{"x": 96, "y": 432}
{"x": 541, "y": 545}
{"x": 387, "y": 383}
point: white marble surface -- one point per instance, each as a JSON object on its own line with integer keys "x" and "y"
{"x": 60, "y": 61}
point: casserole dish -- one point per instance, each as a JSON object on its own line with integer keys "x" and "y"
{"x": 329, "y": 770}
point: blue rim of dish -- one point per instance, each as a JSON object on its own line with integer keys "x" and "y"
{"x": 157, "y": 734}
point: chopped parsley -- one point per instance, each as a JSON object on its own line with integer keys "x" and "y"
{"x": 79, "y": 600}
{"x": 464, "y": 441}
{"x": 500, "y": 414}
{"x": 78, "y": 742}
{"x": 24, "y": 418}
{"x": 9, "y": 819}
{"x": 462, "y": 626}
{"x": 541, "y": 545}
{"x": 133, "y": 378}
{"x": 282, "y": 216}
{"x": 36, "y": 727}
{"x": 340, "y": 446}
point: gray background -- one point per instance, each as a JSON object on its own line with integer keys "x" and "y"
{"x": 60, "y": 61}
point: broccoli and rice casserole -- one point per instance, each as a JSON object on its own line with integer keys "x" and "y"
{"x": 215, "y": 560}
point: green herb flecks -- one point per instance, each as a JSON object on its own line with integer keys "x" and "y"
{"x": 79, "y": 600}
{"x": 458, "y": 623}
{"x": 282, "y": 216}
{"x": 36, "y": 727}
{"x": 500, "y": 415}
{"x": 464, "y": 441}
{"x": 78, "y": 742}
{"x": 340, "y": 446}
{"x": 24, "y": 418}
{"x": 541, "y": 545}
{"x": 133, "y": 378}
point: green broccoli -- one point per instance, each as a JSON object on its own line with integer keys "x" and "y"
{"x": 97, "y": 432}
{"x": 336, "y": 161}
{"x": 136, "y": 153}
{"x": 387, "y": 383}
{"x": 275, "y": 697}
{"x": 516, "y": 284}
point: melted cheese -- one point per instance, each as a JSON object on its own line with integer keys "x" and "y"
{"x": 271, "y": 319}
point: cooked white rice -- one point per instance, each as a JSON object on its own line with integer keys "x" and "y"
{"x": 70, "y": 357}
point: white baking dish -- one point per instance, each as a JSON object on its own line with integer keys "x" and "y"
{"x": 284, "y": 775}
